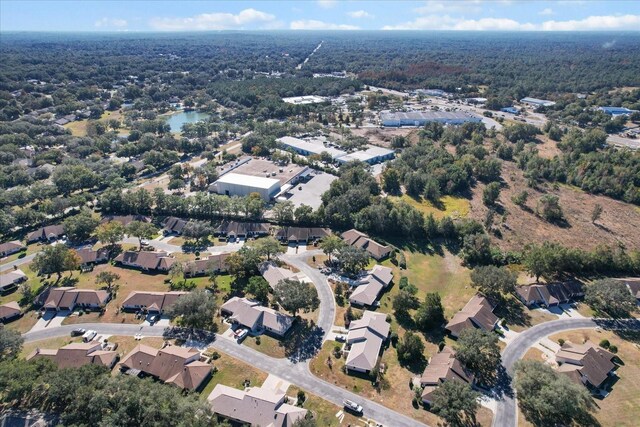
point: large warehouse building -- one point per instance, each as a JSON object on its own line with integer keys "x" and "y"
{"x": 307, "y": 148}
{"x": 235, "y": 184}
{"x": 537, "y": 102}
{"x": 421, "y": 118}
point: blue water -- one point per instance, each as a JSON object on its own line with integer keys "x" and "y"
{"x": 178, "y": 119}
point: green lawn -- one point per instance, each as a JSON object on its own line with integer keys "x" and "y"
{"x": 457, "y": 207}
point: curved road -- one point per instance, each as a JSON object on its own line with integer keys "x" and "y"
{"x": 506, "y": 414}
{"x": 327, "y": 314}
{"x": 295, "y": 373}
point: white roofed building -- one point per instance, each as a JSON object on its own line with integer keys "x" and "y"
{"x": 235, "y": 184}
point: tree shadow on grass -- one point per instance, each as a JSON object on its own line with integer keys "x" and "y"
{"x": 303, "y": 342}
{"x": 513, "y": 312}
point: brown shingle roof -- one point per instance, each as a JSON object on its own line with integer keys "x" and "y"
{"x": 158, "y": 301}
{"x": 9, "y": 310}
{"x": 146, "y": 260}
{"x": 174, "y": 365}
{"x": 360, "y": 240}
{"x": 10, "y": 247}
{"x": 77, "y": 354}
{"x": 477, "y": 313}
{"x": 45, "y": 232}
{"x": 592, "y": 362}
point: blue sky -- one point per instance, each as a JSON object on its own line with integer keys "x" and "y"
{"x": 176, "y": 15}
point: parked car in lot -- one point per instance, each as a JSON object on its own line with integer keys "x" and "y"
{"x": 89, "y": 335}
{"x": 78, "y": 332}
{"x": 352, "y": 406}
{"x": 241, "y": 334}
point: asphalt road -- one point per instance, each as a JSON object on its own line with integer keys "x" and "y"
{"x": 506, "y": 414}
{"x": 295, "y": 373}
{"x": 325, "y": 293}
{"x": 18, "y": 262}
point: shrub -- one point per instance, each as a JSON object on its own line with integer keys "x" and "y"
{"x": 402, "y": 261}
{"x": 215, "y": 355}
{"x": 301, "y": 397}
{"x": 337, "y": 351}
{"x": 605, "y": 343}
{"x": 394, "y": 338}
{"x": 613, "y": 348}
{"x": 441, "y": 345}
{"x": 258, "y": 340}
{"x": 561, "y": 342}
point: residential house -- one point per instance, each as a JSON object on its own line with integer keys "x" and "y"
{"x": 586, "y": 363}
{"x": 46, "y": 234}
{"x": 9, "y": 311}
{"x": 443, "y": 367}
{"x": 125, "y": 219}
{"x": 550, "y": 294}
{"x": 360, "y": 240}
{"x": 90, "y": 257}
{"x": 146, "y": 260}
{"x": 478, "y": 313}
{"x": 274, "y": 274}
{"x": 68, "y": 298}
{"x": 10, "y": 248}
{"x": 634, "y": 287}
{"x": 75, "y": 355}
{"x": 365, "y": 339}
{"x": 256, "y": 406}
{"x": 152, "y": 302}
{"x": 173, "y": 225}
{"x": 215, "y": 263}
{"x": 257, "y": 318}
{"x": 174, "y": 365}
{"x": 368, "y": 289}
{"x": 301, "y": 235}
{"x": 241, "y": 230}
{"x": 11, "y": 280}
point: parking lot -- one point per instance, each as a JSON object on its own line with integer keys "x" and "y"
{"x": 310, "y": 193}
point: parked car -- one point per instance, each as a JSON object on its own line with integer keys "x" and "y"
{"x": 89, "y": 335}
{"x": 241, "y": 334}
{"x": 78, "y": 332}
{"x": 352, "y": 406}
{"x": 154, "y": 318}
{"x": 341, "y": 338}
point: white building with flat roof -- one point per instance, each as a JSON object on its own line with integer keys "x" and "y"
{"x": 371, "y": 155}
{"x": 301, "y": 100}
{"x": 235, "y": 184}
{"x": 537, "y": 102}
{"x": 307, "y": 148}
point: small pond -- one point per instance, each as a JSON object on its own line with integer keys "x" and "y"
{"x": 178, "y": 119}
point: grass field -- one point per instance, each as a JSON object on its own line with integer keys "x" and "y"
{"x": 621, "y": 408}
{"x": 456, "y": 207}
{"x": 79, "y": 128}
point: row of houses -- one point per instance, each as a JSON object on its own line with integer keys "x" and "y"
{"x": 75, "y": 355}
{"x": 68, "y": 298}
{"x": 550, "y": 294}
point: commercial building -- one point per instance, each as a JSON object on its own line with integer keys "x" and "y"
{"x": 301, "y": 100}
{"x": 256, "y": 406}
{"x": 616, "y": 111}
{"x": 510, "y": 110}
{"x": 308, "y": 148}
{"x": 371, "y": 155}
{"x": 535, "y": 102}
{"x": 478, "y": 313}
{"x": 235, "y": 184}
{"x": 421, "y": 118}
{"x": 364, "y": 340}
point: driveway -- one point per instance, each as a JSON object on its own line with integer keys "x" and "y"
{"x": 50, "y": 319}
{"x": 506, "y": 414}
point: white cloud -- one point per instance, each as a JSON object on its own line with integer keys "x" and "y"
{"x": 432, "y": 6}
{"x": 447, "y": 22}
{"x": 110, "y": 23}
{"x": 327, "y": 4}
{"x": 546, "y": 11}
{"x": 607, "y": 22}
{"x": 217, "y": 21}
{"x": 312, "y": 24}
{"x": 360, "y": 14}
